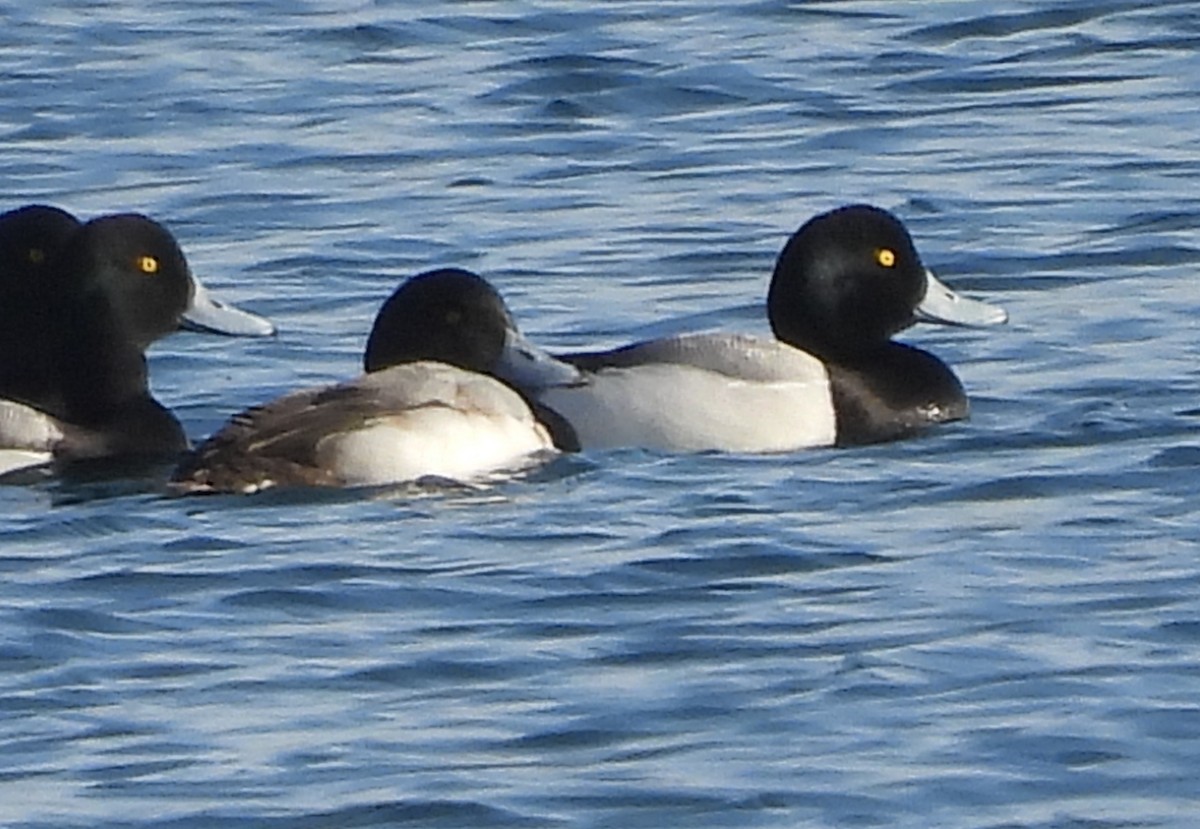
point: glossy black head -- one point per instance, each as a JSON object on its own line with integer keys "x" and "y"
{"x": 449, "y": 315}
{"x": 30, "y": 237}
{"x": 845, "y": 282}
{"x": 132, "y": 268}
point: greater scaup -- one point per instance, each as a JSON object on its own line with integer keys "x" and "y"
{"x": 75, "y": 358}
{"x": 844, "y": 283}
{"x": 426, "y": 407}
{"x": 36, "y": 288}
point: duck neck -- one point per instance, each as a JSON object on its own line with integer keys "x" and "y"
{"x": 100, "y": 368}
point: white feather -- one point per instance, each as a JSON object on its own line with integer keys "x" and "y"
{"x": 27, "y": 436}
{"x": 24, "y": 427}
{"x": 435, "y": 441}
{"x": 715, "y": 392}
{"x": 13, "y": 459}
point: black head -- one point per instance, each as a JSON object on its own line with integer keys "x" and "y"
{"x": 132, "y": 267}
{"x": 449, "y": 315}
{"x": 845, "y": 282}
{"x": 30, "y": 237}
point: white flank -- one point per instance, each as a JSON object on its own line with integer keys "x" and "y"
{"x": 683, "y": 408}
{"x": 24, "y": 427}
{"x": 27, "y": 436}
{"x": 13, "y": 459}
{"x": 432, "y": 441}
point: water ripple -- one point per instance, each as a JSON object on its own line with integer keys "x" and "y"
{"x": 994, "y": 625}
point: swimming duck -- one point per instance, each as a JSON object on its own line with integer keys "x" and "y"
{"x": 36, "y": 289}
{"x": 72, "y": 369}
{"x": 843, "y": 285}
{"x": 427, "y": 406}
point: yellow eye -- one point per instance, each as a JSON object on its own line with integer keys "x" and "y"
{"x": 454, "y": 317}
{"x": 147, "y": 264}
{"x": 37, "y": 256}
{"x": 886, "y": 257}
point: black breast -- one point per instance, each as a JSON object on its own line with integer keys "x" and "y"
{"x": 896, "y": 393}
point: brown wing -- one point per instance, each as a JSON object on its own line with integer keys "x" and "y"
{"x": 272, "y": 444}
{"x": 277, "y": 444}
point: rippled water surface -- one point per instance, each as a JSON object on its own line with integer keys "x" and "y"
{"x": 997, "y": 625}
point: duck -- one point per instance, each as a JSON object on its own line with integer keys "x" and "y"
{"x": 73, "y": 375}
{"x": 844, "y": 284}
{"x": 35, "y": 289}
{"x": 427, "y": 406}
{"x": 30, "y": 237}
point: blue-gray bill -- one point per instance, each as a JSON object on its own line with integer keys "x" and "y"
{"x": 209, "y": 315}
{"x": 527, "y": 366}
{"x": 944, "y": 306}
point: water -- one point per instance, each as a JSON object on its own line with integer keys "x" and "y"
{"x": 996, "y": 625}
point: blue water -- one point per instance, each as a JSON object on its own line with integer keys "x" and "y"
{"x": 997, "y": 625}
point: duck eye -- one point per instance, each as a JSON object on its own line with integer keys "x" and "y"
{"x": 147, "y": 264}
{"x": 886, "y": 257}
{"x": 454, "y": 317}
{"x": 37, "y": 256}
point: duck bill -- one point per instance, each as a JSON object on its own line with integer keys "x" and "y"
{"x": 527, "y": 367}
{"x": 211, "y": 316}
{"x": 944, "y": 306}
